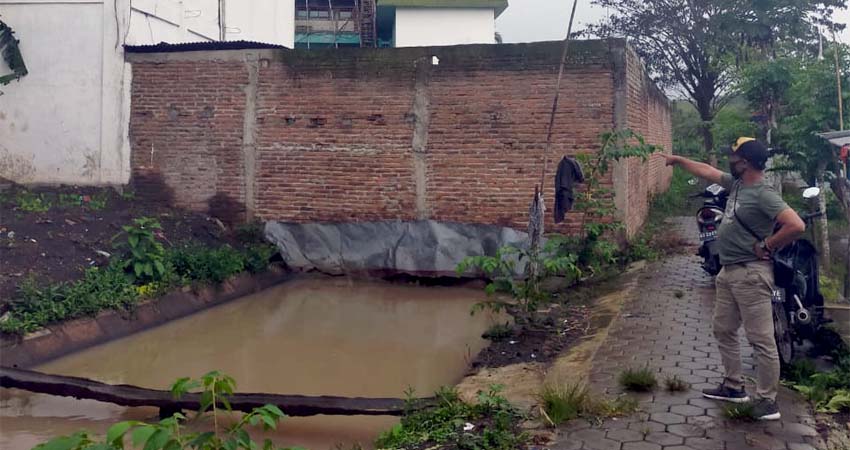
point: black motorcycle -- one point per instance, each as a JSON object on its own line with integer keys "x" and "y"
{"x": 709, "y": 217}
{"x": 798, "y": 304}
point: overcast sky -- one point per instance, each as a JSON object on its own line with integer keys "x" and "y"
{"x": 547, "y": 20}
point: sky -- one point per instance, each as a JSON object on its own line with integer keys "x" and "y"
{"x": 547, "y": 20}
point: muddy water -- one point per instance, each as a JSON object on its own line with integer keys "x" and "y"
{"x": 327, "y": 336}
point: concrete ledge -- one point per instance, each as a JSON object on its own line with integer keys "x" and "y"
{"x": 65, "y": 338}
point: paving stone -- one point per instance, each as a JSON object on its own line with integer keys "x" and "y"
{"x": 664, "y": 438}
{"x": 566, "y": 444}
{"x": 602, "y": 444}
{"x": 765, "y": 442}
{"x": 641, "y": 446}
{"x": 625, "y": 435}
{"x": 589, "y": 434}
{"x": 800, "y": 429}
{"x": 702, "y": 421}
{"x": 686, "y": 430}
{"x": 667, "y": 418}
{"x": 647, "y": 427}
{"x": 799, "y": 446}
{"x": 704, "y": 444}
{"x": 687, "y": 410}
{"x": 703, "y": 402}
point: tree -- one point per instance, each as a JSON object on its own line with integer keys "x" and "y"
{"x": 695, "y": 46}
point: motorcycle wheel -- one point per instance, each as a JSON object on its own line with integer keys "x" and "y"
{"x": 782, "y": 334}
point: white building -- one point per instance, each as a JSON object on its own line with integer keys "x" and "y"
{"x": 420, "y": 23}
{"x": 66, "y": 120}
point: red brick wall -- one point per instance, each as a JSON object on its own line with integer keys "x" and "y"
{"x": 649, "y": 115}
{"x": 334, "y": 129}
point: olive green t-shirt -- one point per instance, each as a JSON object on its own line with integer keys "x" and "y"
{"x": 757, "y": 205}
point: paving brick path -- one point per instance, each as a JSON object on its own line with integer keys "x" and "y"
{"x": 667, "y": 325}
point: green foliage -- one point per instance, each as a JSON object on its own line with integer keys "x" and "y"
{"x": 730, "y": 122}
{"x": 196, "y": 262}
{"x": 495, "y": 425}
{"x": 828, "y": 391}
{"x": 36, "y": 306}
{"x": 638, "y": 380}
{"x": 830, "y": 288}
{"x": 526, "y": 290}
{"x": 32, "y": 202}
{"x": 563, "y": 403}
{"x": 257, "y": 257}
{"x": 742, "y": 412}
{"x": 144, "y": 258}
{"x": 173, "y": 434}
{"x": 676, "y": 384}
{"x": 249, "y": 232}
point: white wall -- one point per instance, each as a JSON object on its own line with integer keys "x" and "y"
{"x": 419, "y": 27}
{"x": 271, "y": 21}
{"x": 65, "y": 122}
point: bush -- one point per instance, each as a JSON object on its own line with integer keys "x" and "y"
{"x": 37, "y": 306}
{"x": 196, "y": 262}
{"x": 257, "y": 257}
{"x": 828, "y": 391}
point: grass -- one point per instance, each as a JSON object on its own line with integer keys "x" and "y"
{"x": 829, "y": 391}
{"x": 742, "y": 412}
{"x": 676, "y": 384}
{"x": 42, "y": 202}
{"x": 638, "y": 380}
{"x": 563, "y": 403}
{"x": 494, "y": 425}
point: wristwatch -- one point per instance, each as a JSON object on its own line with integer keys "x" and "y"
{"x": 764, "y": 247}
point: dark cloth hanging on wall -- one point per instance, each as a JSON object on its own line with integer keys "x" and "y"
{"x": 569, "y": 173}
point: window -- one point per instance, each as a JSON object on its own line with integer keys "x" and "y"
{"x": 344, "y": 15}
{"x": 320, "y": 14}
{"x": 301, "y": 13}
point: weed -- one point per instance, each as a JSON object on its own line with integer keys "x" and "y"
{"x": 195, "y": 262}
{"x": 257, "y": 257}
{"x": 568, "y": 402}
{"x": 744, "y": 412}
{"x": 97, "y": 201}
{"x": 800, "y": 370}
{"x": 638, "y": 380}
{"x": 32, "y": 202}
{"x": 128, "y": 194}
{"x": 499, "y": 332}
{"x": 36, "y": 306}
{"x": 676, "y": 384}
{"x": 490, "y": 423}
{"x": 66, "y": 200}
{"x": 145, "y": 256}
{"x": 828, "y": 391}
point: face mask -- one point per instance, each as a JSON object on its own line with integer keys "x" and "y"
{"x": 733, "y": 170}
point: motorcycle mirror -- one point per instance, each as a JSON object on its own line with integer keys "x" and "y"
{"x": 692, "y": 181}
{"x": 811, "y": 192}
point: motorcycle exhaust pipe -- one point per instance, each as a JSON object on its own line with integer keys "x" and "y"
{"x": 803, "y": 315}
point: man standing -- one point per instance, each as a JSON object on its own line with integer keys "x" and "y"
{"x": 745, "y": 285}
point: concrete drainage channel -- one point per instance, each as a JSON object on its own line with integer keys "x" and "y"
{"x": 309, "y": 334}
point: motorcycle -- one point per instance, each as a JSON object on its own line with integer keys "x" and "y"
{"x": 709, "y": 217}
{"x": 798, "y": 311}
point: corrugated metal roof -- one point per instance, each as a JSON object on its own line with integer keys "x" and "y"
{"x": 164, "y": 47}
{"x": 837, "y": 138}
{"x": 498, "y": 5}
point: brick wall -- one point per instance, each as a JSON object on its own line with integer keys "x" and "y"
{"x": 359, "y": 134}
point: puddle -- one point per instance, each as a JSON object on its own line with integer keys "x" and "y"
{"x": 327, "y": 336}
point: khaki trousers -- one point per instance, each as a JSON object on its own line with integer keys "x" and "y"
{"x": 744, "y": 296}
